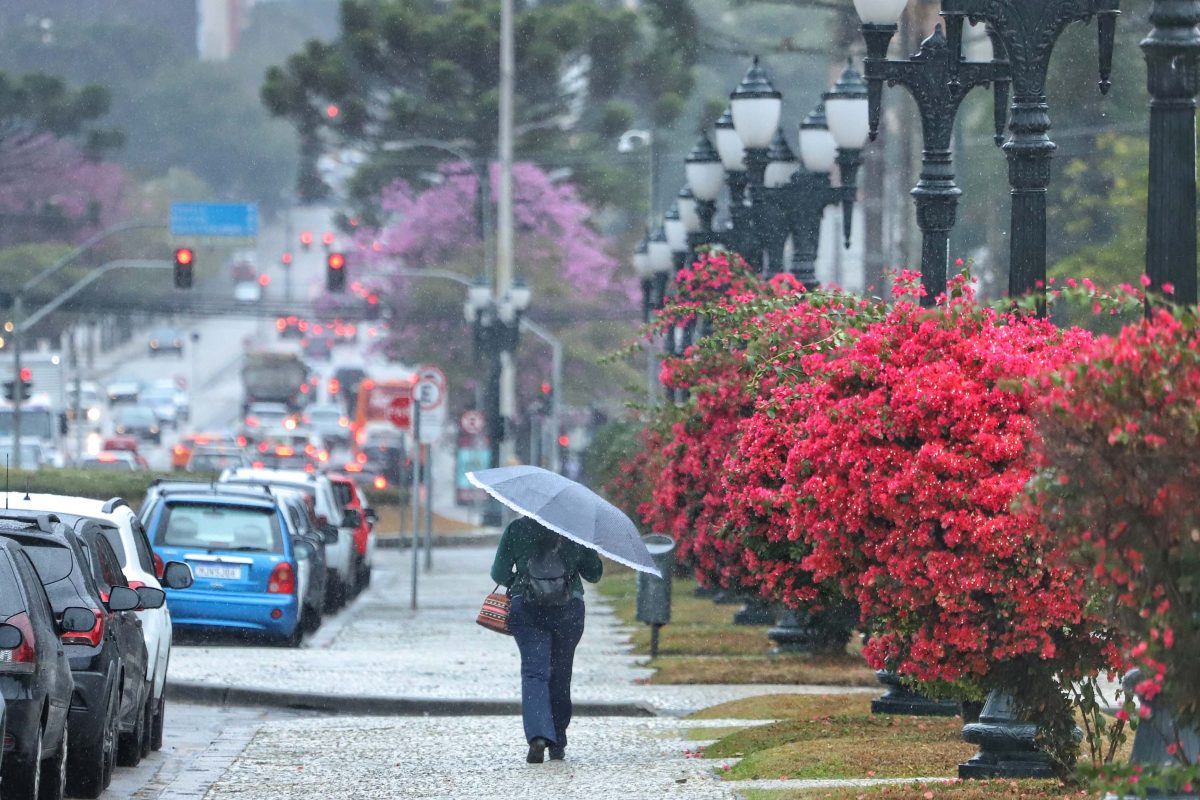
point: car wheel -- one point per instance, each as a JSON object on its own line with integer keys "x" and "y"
{"x": 335, "y": 593}
{"x": 156, "y": 727}
{"x": 24, "y": 782}
{"x": 54, "y": 774}
{"x": 92, "y": 763}
{"x": 129, "y": 749}
{"x": 294, "y": 638}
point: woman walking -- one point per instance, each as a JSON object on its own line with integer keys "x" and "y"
{"x": 543, "y": 571}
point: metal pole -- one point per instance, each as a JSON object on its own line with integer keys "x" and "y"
{"x": 428, "y": 507}
{"x": 416, "y": 494}
{"x": 287, "y": 243}
{"x": 504, "y": 231}
{"x": 78, "y": 404}
{"x": 17, "y": 338}
{"x": 1172, "y": 51}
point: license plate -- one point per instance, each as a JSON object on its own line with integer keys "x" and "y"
{"x": 211, "y": 571}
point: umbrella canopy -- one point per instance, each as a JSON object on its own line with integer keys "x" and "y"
{"x": 569, "y": 508}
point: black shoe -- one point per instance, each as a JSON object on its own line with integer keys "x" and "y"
{"x": 537, "y": 751}
{"x": 558, "y": 753}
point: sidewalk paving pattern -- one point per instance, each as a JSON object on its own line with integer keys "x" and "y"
{"x": 380, "y": 648}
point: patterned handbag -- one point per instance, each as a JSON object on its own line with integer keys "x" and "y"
{"x": 494, "y": 614}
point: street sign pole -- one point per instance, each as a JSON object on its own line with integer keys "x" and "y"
{"x": 416, "y": 494}
{"x": 428, "y": 507}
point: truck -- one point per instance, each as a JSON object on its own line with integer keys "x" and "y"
{"x": 274, "y": 377}
{"x": 44, "y": 413}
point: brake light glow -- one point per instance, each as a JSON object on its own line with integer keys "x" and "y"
{"x": 284, "y": 451}
{"x": 335, "y": 386}
{"x": 323, "y": 456}
{"x": 159, "y": 568}
{"x": 242, "y": 441}
{"x": 252, "y": 422}
{"x": 361, "y": 458}
{"x": 353, "y": 468}
{"x": 180, "y": 450}
{"x": 283, "y": 579}
{"x": 309, "y": 468}
{"x": 24, "y": 657}
{"x": 380, "y": 482}
{"x": 106, "y": 458}
{"x": 280, "y": 324}
{"x": 91, "y": 638}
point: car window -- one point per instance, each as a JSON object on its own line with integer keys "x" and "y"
{"x": 108, "y": 571}
{"x": 141, "y": 543}
{"x": 220, "y": 527}
{"x": 40, "y": 611}
{"x": 344, "y": 493}
{"x": 11, "y": 601}
{"x": 113, "y": 537}
{"x": 53, "y": 562}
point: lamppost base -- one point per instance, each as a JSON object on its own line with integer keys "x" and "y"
{"x": 705, "y": 592}
{"x": 804, "y": 633}
{"x": 1007, "y": 747}
{"x": 899, "y": 699}
{"x": 755, "y": 612}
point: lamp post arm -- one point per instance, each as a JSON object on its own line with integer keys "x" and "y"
{"x": 88, "y": 280}
{"x": 88, "y": 244}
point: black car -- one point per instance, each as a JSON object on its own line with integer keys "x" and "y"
{"x": 137, "y": 707}
{"x": 108, "y": 659}
{"x": 35, "y": 678}
{"x": 139, "y": 421}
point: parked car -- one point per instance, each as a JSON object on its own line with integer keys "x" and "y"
{"x": 339, "y": 546}
{"x": 141, "y": 567}
{"x": 242, "y": 555}
{"x": 166, "y": 340}
{"x": 313, "y": 572}
{"x": 317, "y": 347}
{"x": 270, "y": 454}
{"x": 111, "y": 461}
{"x": 353, "y": 509}
{"x": 89, "y": 402}
{"x": 35, "y": 677}
{"x": 139, "y": 421}
{"x": 291, "y": 327}
{"x": 108, "y": 660}
{"x": 262, "y": 420}
{"x": 328, "y": 420}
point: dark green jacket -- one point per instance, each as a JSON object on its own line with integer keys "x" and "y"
{"x": 522, "y": 538}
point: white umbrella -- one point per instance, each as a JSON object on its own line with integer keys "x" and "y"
{"x": 569, "y": 508}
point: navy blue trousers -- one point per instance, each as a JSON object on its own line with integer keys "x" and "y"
{"x": 547, "y": 637}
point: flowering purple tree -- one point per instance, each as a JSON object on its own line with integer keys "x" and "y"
{"x": 558, "y": 253}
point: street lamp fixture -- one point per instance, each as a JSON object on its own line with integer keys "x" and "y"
{"x": 705, "y": 177}
{"x": 926, "y": 76}
{"x": 846, "y": 111}
{"x": 782, "y": 165}
{"x": 1027, "y": 31}
{"x": 676, "y": 232}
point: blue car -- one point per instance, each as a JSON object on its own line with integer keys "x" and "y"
{"x": 242, "y": 556}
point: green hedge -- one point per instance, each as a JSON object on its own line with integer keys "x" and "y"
{"x": 132, "y": 486}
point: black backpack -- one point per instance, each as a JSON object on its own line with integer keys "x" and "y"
{"x": 547, "y": 580}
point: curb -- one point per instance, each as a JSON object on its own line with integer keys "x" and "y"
{"x": 347, "y": 705}
{"x": 467, "y": 540}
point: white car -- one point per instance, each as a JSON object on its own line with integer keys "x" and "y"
{"x": 339, "y": 555}
{"x": 140, "y": 566}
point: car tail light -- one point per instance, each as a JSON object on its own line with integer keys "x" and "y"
{"x": 257, "y": 465}
{"x": 158, "y": 566}
{"x": 180, "y": 450}
{"x": 309, "y": 468}
{"x": 380, "y": 482}
{"x": 310, "y": 449}
{"x": 24, "y": 657}
{"x": 262, "y": 447}
{"x": 252, "y": 422}
{"x": 284, "y": 451}
{"x": 242, "y": 441}
{"x": 135, "y": 585}
{"x": 280, "y": 324}
{"x": 283, "y": 579}
{"x": 92, "y": 637}
{"x": 353, "y": 468}
{"x": 335, "y": 386}
{"x": 361, "y": 458}
{"x": 303, "y": 390}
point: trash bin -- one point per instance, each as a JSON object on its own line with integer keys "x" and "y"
{"x": 654, "y": 594}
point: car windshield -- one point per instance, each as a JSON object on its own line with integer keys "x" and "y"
{"x": 10, "y": 592}
{"x": 136, "y": 415}
{"x": 213, "y": 526}
{"x": 54, "y": 561}
{"x": 159, "y": 395}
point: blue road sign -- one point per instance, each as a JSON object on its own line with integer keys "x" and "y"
{"x": 214, "y": 219}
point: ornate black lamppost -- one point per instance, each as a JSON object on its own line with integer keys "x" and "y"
{"x": 782, "y": 164}
{"x": 1172, "y": 53}
{"x": 1028, "y": 30}
{"x": 733, "y": 160}
{"x": 705, "y": 177}
{"x": 496, "y": 324}
{"x": 926, "y": 76}
{"x": 755, "y": 106}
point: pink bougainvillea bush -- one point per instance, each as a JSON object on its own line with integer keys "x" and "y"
{"x": 1122, "y": 485}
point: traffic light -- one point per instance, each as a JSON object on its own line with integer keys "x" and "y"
{"x": 306, "y": 239}
{"x": 184, "y": 258}
{"x": 327, "y": 239}
{"x": 26, "y": 386}
{"x": 286, "y": 259}
{"x": 372, "y": 307}
{"x": 335, "y": 272}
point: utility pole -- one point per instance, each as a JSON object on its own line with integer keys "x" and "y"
{"x": 504, "y": 227}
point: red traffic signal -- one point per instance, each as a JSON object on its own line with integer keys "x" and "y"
{"x": 335, "y": 272}
{"x": 26, "y": 374}
{"x": 306, "y": 239}
{"x": 564, "y": 441}
{"x": 547, "y": 388}
{"x": 184, "y": 259}
{"x": 327, "y": 238}
{"x": 286, "y": 259}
